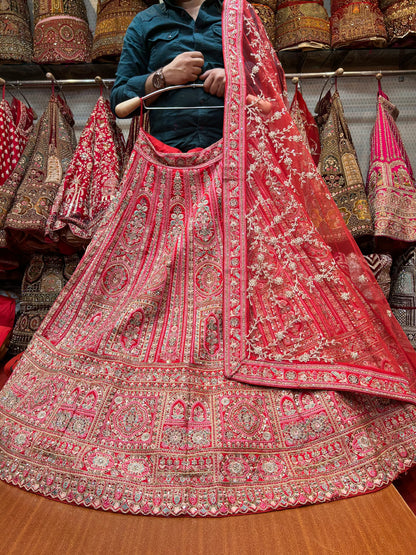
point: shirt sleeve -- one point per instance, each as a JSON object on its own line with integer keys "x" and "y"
{"x": 132, "y": 70}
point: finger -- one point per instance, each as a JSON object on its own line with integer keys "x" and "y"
{"x": 215, "y": 88}
{"x": 197, "y": 59}
{"x": 198, "y": 62}
{"x": 208, "y": 83}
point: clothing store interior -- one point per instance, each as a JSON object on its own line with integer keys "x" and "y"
{"x": 207, "y": 276}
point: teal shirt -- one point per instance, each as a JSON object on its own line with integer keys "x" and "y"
{"x": 154, "y": 38}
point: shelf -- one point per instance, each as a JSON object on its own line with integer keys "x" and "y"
{"x": 35, "y": 72}
{"x": 375, "y": 59}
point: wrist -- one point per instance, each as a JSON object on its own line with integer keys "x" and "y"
{"x": 167, "y": 76}
{"x": 158, "y": 79}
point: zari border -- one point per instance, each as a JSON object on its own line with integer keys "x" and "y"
{"x": 342, "y": 377}
{"x": 235, "y": 297}
{"x": 216, "y": 500}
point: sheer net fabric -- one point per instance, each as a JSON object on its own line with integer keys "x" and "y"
{"x": 215, "y": 273}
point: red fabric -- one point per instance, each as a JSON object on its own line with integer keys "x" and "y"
{"x": 4, "y": 333}
{"x": 162, "y": 147}
{"x": 15, "y": 125}
{"x": 306, "y": 124}
{"x": 11, "y": 364}
{"x": 214, "y": 274}
{"x": 7, "y": 311}
{"x": 390, "y": 181}
{"x": 92, "y": 179}
{"x": 277, "y": 321}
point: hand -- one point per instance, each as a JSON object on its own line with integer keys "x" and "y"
{"x": 214, "y": 81}
{"x": 184, "y": 68}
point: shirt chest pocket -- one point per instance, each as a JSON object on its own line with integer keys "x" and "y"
{"x": 163, "y": 47}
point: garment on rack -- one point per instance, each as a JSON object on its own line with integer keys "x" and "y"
{"x": 113, "y": 18}
{"x": 43, "y": 280}
{"x": 400, "y": 20}
{"x": 306, "y": 124}
{"x": 16, "y": 124}
{"x": 302, "y": 25}
{"x": 338, "y": 165}
{"x": 403, "y": 292}
{"x": 28, "y": 195}
{"x": 357, "y": 24}
{"x": 91, "y": 181}
{"x": 380, "y": 264}
{"x": 61, "y": 33}
{"x": 15, "y": 33}
{"x": 223, "y": 346}
{"x": 390, "y": 181}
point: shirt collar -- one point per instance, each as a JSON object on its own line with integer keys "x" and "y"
{"x": 172, "y": 4}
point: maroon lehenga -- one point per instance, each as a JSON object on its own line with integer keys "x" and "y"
{"x": 214, "y": 274}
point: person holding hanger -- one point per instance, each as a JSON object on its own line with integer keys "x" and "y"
{"x": 176, "y": 42}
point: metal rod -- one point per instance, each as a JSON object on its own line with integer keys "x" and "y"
{"x": 300, "y": 75}
{"x": 60, "y": 82}
{"x": 369, "y": 73}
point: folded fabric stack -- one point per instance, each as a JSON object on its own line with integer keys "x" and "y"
{"x": 266, "y": 10}
{"x": 15, "y": 34}
{"x": 113, "y": 18}
{"x": 302, "y": 25}
{"x": 357, "y": 24}
{"x": 400, "y": 20}
{"x": 61, "y": 34}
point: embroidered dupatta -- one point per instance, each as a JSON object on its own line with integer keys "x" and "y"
{"x": 301, "y": 306}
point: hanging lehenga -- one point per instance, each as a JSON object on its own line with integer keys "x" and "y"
{"x": 91, "y": 181}
{"x": 28, "y": 194}
{"x": 16, "y": 125}
{"x": 338, "y": 165}
{"x": 390, "y": 180}
{"x": 214, "y": 274}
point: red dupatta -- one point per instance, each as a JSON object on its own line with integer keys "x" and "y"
{"x": 301, "y": 306}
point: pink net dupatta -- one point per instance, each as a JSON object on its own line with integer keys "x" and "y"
{"x": 301, "y": 306}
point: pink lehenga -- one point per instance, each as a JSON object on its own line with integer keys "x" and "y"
{"x": 214, "y": 274}
{"x": 391, "y": 184}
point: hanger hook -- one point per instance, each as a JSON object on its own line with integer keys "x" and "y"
{"x": 52, "y": 79}
{"x": 99, "y": 80}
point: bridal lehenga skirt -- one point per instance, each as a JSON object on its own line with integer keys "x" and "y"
{"x": 121, "y": 402}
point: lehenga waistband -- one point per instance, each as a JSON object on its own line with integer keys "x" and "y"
{"x": 165, "y": 155}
